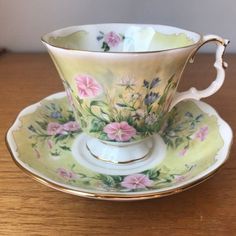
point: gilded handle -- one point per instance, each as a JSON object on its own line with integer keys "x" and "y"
{"x": 220, "y": 67}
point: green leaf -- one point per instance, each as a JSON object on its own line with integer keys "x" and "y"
{"x": 107, "y": 180}
{"x": 130, "y": 121}
{"x": 152, "y": 174}
{"x": 199, "y": 117}
{"x": 171, "y": 78}
{"x": 31, "y": 128}
{"x": 149, "y": 109}
{"x": 97, "y": 126}
{"x": 86, "y": 182}
{"x": 71, "y": 117}
{"x": 162, "y": 99}
{"x": 65, "y": 148}
{"x": 33, "y": 145}
{"x": 103, "y": 112}
{"x": 80, "y": 101}
{"x": 79, "y": 114}
{"x": 56, "y": 153}
{"x": 83, "y": 123}
{"x": 103, "y": 136}
{"x": 42, "y": 124}
{"x": 178, "y": 141}
{"x": 121, "y": 105}
{"x": 105, "y": 47}
{"x": 117, "y": 178}
{"x": 60, "y": 137}
{"x": 168, "y": 142}
{"x": 97, "y": 103}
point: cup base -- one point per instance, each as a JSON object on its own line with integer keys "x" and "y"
{"x": 120, "y": 153}
{"x": 154, "y": 157}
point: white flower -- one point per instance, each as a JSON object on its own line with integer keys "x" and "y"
{"x": 127, "y": 81}
{"x": 151, "y": 119}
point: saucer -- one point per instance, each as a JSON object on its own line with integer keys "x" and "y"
{"x": 192, "y": 145}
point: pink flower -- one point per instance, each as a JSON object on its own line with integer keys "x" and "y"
{"x": 119, "y": 132}
{"x": 37, "y": 153}
{"x": 112, "y": 39}
{"x": 69, "y": 97}
{"x": 54, "y": 128}
{"x": 87, "y": 86}
{"x": 183, "y": 152}
{"x": 50, "y": 144}
{"x": 180, "y": 178}
{"x": 202, "y": 133}
{"x": 71, "y": 126}
{"x": 136, "y": 181}
{"x": 66, "y": 174}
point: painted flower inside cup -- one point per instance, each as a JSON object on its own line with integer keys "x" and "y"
{"x": 121, "y": 80}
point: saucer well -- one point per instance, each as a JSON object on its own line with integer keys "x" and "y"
{"x": 192, "y": 145}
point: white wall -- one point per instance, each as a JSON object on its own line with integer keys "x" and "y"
{"x": 22, "y": 22}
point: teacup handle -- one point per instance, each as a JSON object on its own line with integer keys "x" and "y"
{"x": 220, "y": 66}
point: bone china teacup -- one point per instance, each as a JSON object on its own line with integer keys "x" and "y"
{"x": 121, "y": 81}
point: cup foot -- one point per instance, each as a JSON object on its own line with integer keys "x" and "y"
{"x": 120, "y": 153}
{"x": 155, "y": 156}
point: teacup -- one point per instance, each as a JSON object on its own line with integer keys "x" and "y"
{"x": 121, "y": 81}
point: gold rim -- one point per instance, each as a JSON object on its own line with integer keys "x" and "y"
{"x": 126, "y": 53}
{"x": 116, "y": 196}
{"x": 222, "y": 41}
{"x": 117, "y": 162}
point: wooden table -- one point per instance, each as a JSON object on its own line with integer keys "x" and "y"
{"x": 29, "y": 208}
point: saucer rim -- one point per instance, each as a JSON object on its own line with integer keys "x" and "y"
{"x": 108, "y": 196}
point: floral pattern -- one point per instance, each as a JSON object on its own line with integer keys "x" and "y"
{"x": 66, "y": 174}
{"x": 136, "y": 181}
{"x": 147, "y": 180}
{"x": 87, "y": 86}
{"x": 202, "y": 133}
{"x": 110, "y": 40}
{"x": 180, "y": 131}
{"x": 54, "y": 128}
{"x": 119, "y": 132}
{"x": 134, "y": 112}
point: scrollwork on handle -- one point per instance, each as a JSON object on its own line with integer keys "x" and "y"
{"x": 220, "y": 67}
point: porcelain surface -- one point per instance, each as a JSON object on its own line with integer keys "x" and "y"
{"x": 122, "y": 78}
{"x": 48, "y": 144}
{"x": 121, "y": 38}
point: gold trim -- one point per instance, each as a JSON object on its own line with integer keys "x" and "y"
{"x": 124, "y": 53}
{"x": 117, "y": 162}
{"x": 116, "y": 196}
{"x": 224, "y": 42}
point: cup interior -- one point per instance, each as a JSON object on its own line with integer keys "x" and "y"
{"x": 121, "y": 38}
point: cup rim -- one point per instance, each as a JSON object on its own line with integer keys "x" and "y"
{"x": 44, "y": 41}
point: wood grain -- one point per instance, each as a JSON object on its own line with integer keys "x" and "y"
{"x": 29, "y": 208}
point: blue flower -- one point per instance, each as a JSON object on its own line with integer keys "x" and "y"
{"x": 56, "y": 115}
{"x": 154, "y": 83}
{"x": 188, "y": 114}
{"x": 145, "y": 84}
{"x": 151, "y": 98}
